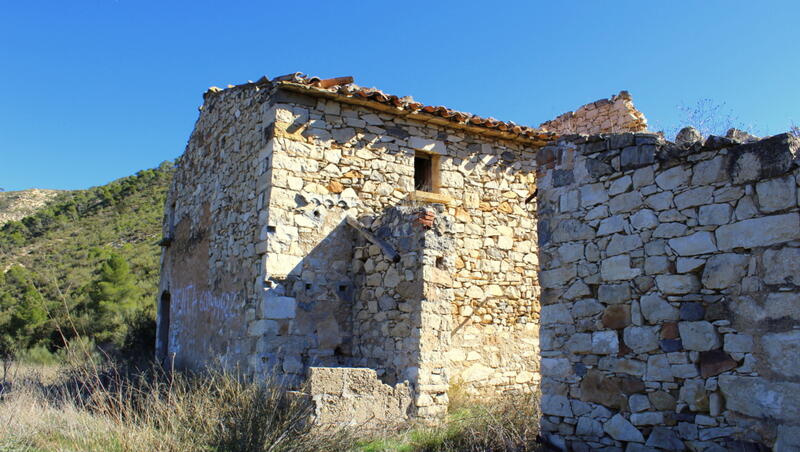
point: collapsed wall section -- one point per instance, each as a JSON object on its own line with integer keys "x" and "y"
{"x": 614, "y": 115}
{"x": 671, "y": 289}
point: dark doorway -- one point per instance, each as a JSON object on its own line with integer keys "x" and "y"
{"x": 163, "y": 327}
{"x": 423, "y": 172}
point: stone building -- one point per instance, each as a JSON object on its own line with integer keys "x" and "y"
{"x": 381, "y": 251}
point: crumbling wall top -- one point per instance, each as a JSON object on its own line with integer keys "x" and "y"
{"x": 617, "y": 114}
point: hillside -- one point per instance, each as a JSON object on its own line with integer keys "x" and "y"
{"x": 86, "y": 262}
{"x": 16, "y": 205}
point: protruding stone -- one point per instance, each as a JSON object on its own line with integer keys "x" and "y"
{"x": 641, "y": 339}
{"x": 677, "y": 284}
{"x": 688, "y": 136}
{"x": 655, "y": 309}
{"x": 755, "y": 232}
{"x": 617, "y": 316}
{"x": 715, "y": 362}
{"x": 725, "y": 270}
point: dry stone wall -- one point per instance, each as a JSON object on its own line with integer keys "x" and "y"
{"x": 670, "y": 292}
{"x": 210, "y": 268}
{"x": 614, "y": 115}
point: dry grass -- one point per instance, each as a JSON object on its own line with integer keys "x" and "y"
{"x": 99, "y": 408}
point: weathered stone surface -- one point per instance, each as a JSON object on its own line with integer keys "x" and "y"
{"x": 623, "y": 244}
{"x": 638, "y": 402}
{"x": 569, "y": 230}
{"x": 557, "y": 277}
{"x": 664, "y": 438}
{"x": 767, "y": 158}
{"x": 782, "y": 266}
{"x": 641, "y": 339}
{"x": 738, "y": 343}
{"x": 556, "y": 313}
{"x": 611, "y": 392}
{"x": 715, "y": 214}
{"x": 698, "y": 243}
{"x": 556, "y": 405}
{"x": 622, "y": 430}
{"x": 677, "y": 284}
{"x": 688, "y": 136}
{"x": 618, "y": 268}
{"x": 637, "y": 156}
{"x": 699, "y": 336}
{"x": 673, "y": 178}
{"x": 617, "y": 316}
{"x": 715, "y": 362}
{"x": 688, "y": 264}
{"x": 760, "y": 398}
{"x": 625, "y": 202}
{"x": 764, "y": 231}
{"x": 776, "y": 194}
{"x": 610, "y": 225}
{"x": 724, "y": 270}
{"x": 694, "y": 197}
{"x": 593, "y": 194}
{"x": 586, "y": 308}
{"x": 614, "y": 293}
{"x": 782, "y": 352}
{"x": 644, "y": 219}
{"x": 552, "y": 367}
{"x": 588, "y": 427}
{"x": 655, "y": 309}
{"x": 694, "y": 394}
{"x": 662, "y": 401}
{"x": 278, "y": 307}
{"x": 692, "y": 311}
{"x": 605, "y": 343}
{"x": 658, "y": 368}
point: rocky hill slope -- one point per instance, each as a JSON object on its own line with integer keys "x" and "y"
{"x": 16, "y": 205}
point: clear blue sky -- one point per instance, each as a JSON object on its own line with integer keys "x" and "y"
{"x": 96, "y": 90}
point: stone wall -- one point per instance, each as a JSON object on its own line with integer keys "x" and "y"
{"x": 210, "y": 268}
{"x": 614, "y": 115}
{"x": 671, "y": 288}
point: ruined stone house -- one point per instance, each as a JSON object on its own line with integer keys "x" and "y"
{"x": 381, "y": 251}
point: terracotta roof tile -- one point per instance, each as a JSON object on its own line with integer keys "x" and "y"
{"x": 345, "y": 86}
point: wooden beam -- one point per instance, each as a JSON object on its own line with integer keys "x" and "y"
{"x": 385, "y": 247}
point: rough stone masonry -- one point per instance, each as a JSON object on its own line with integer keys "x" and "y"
{"x": 377, "y": 251}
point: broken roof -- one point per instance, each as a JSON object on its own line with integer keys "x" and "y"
{"x": 344, "y": 89}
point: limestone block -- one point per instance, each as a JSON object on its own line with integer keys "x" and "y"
{"x": 715, "y": 214}
{"x": 664, "y": 438}
{"x": 667, "y": 230}
{"x": 643, "y": 219}
{"x": 262, "y": 327}
{"x": 580, "y": 343}
{"x": 556, "y": 405}
{"x": 782, "y": 266}
{"x": 620, "y": 185}
{"x": 625, "y": 202}
{"x": 738, "y": 343}
{"x": 638, "y": 402}
{"x": 709, "y": 171}
{"x": 677, "y": 284}
{"x": 701, "y": 242}
{"x": 694, "y": 197}
{"x": 558, "y": 277}
{"x": 621, "y": 430}
{"x": 593, "y": 194}
{"x": 776, "y": 194}
{"x": 672, "y": 178}
{"x": 617, "y": 316}
{"x": 699, "y": 336}
{"x": 586, "y": 308}
{"x": 273, "y": 307}
{"x": 688, "y": 264}
{"x": 725, "y": 270}
{"x": 611, "y": 225}
{"x": 588, "y": 427}
{"x": 782, "y": 352}
{"x": 656, "y": 264}
{"x": 649, "y": 418}
{"x": 658, "y": 368}
{"x": 425, "y": 144}
{"x": 755, "y": 232}
{"x": 614, "y": 293}
{"x": 655, "y": 309}
{"x": 618, "y": 268}
{"x": 556, "y": 313}
{"x": 622, "y": 244}
{"x": 660, "y": 201}
{"x": 570, "y": 230}
{"x": 605, "y": 343}
{"x": 694, "y": 394}
{"x": 571, "y": 252}
{"x": 641, "y": 339}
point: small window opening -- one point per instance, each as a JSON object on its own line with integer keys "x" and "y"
{"x": 342, "y": 288}
{"x": 423, "y": 172}
{"x": 270, "y": 228}
{"x": 440, "y": 263}
{"x": 308, "y": 286}
{"x": 426, "y": 172}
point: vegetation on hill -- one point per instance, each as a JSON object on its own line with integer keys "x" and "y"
{"x": 85, "y": 264}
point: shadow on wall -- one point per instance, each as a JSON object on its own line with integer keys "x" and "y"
{"x": 352, "y": 300}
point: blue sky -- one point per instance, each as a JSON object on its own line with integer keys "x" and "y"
{"x": 96, "y": 90}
